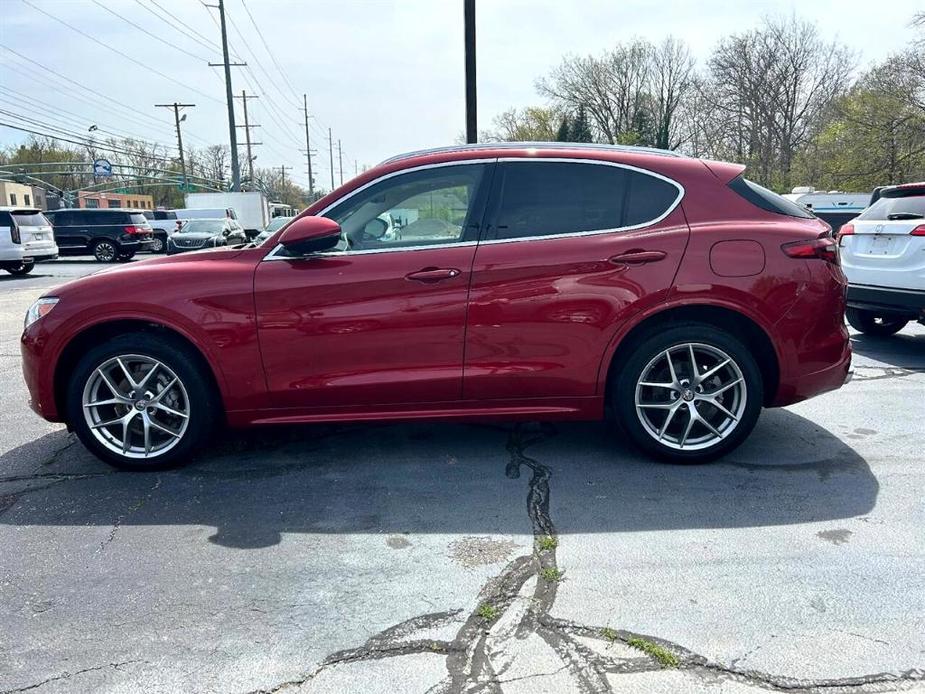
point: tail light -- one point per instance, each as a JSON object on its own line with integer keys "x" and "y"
{"x": 846, "y": 230}
{"x": 822, "y": 249}
{"x": 132, "y": 229}
{"x": 918, "y": 231}
{"x": 14, "y": 233}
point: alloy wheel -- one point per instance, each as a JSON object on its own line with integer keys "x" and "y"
{"x": 136, "y": 406}
{"x": 104, "y": 251}
{"x": 690, "y": 396}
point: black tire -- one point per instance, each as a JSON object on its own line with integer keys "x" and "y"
{"x": 158, "y": 244}
{"x": 203, "y": 401}
{"x": 871, "y": 323}
{"x": 105, "y": 251}
{"x": 22, "y": 269}
{"x": 629, "y": 371}
{"x": 124, "y": 257}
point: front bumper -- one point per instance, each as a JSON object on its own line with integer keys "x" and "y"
{"x": 886, "y": 300}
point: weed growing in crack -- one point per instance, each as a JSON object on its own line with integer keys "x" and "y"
{"x": 610, "y": 634}
{"x": 488, "y": 612}
{"x": 547, "y": 543}
{"x": 660, "y": 653}
{"x": 552, "y": 574}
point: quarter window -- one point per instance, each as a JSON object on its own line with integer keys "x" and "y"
{"x": 553, "y": 198}
{"x": 419, "y": 208}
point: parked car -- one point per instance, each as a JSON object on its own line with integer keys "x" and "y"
{"x": 205, "y": 233}
{"x": 108, "y": 235}
{"x": 664, "y": 293}
{"x": 275, "y": 225}
{"x": 26, "y": 238}
{"x": 163, "y": 224}
{"x": 835, "y": 208}
{"x": 883, "y": 255}
{"x": 250, "y": 207}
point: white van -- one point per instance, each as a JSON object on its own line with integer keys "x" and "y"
{"x": 26, "y": 237}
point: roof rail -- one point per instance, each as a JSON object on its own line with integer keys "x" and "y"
{"x": 531, "y": 145}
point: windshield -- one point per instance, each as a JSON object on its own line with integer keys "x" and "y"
{"x": 910, "y": 207}
{"x": 276, "y": 223}
{"x": 203, "y": 226}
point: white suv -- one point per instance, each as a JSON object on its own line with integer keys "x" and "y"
{"x": 883, "y": 256}
{"x": 26, "y": 237}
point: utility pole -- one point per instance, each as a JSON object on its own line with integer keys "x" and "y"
{"x": 308, "y": 148}
{"x": 340, "y": 161}
{"x": 176, "y": 118}
{"x": 469, "y": 40}
{"x": 247, "y": 135}
{"x": 356, "y": 168}
{"x": 229, "y": 97}
{"x": 282, "y": 171}
{"x": 331, "y": 156}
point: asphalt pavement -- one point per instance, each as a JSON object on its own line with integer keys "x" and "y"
{"x": 436, "y": 557}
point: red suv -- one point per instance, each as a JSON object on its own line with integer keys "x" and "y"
{"x": 545, "y": 281}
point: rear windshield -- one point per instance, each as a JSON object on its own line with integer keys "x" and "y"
{"x": 30, "y": 219}
{"x": 138, "y": 218}
{"x": 909, "y": 207}
{"x": 767, "y": 199}
{"x": 149, "y": 215}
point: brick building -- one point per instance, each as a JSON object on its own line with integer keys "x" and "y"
{"x": 89, "y": 198}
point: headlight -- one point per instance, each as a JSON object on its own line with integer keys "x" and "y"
{"x": 40, "y": 308}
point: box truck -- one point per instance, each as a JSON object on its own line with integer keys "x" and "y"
{"x": 251, "y": 208}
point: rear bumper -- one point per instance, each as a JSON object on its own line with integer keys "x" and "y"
{"x": 907, "y": 302}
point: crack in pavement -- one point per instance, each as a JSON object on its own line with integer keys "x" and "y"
{"x": 67, "y": 675}
{"x": 468, "y": 663}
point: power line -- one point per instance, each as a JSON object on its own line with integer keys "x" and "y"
{"x": 69, "y": 85}
{"x": 269, "y": 52}
{"x": 176, "y": 116}
{"x": 145, "y": 31}
{"x": 118, "y": 52}
{"x": 89, "y": 144}
{"x": 77, "y": 118}
{"x": 247, "y": 133}
{"x": 187, "y": 30}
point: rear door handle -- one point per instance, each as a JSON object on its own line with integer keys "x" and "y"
{"x": 433, "y": 274}
{"x": 638, "y": 257}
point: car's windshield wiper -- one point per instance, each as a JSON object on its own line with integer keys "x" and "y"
{"x": 905, "y": 215}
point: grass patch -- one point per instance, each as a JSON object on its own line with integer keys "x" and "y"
{"x": 488, "y": 612}
{"x": 547, "y": 543}
{"x": 660, "y": 653}
{"x": 552, "y": 574}
{"x": 610, "y": 634}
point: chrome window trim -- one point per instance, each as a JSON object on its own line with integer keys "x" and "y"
{"x": 574, "y": 234}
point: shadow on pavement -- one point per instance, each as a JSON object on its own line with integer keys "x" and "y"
{"x": 448, "y": 478}
{"x": 905, "y": 350}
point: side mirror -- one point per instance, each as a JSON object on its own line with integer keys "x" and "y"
{"x": 308, "y": 235}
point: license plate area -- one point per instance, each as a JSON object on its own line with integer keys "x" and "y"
{"x": 880, "y": 245}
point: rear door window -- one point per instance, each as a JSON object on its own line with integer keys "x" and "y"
{"x": 553, "y": 198}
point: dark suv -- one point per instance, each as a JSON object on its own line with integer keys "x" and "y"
{"x": 106, "y": 234}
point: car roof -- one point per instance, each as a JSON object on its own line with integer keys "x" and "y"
{"x": 526, "y": 147}
{"x": 903, "y": 190}
{"x": 19, "y": 208}
{"x": 98, "y": 209}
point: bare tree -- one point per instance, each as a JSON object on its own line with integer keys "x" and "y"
{"x": 672, "y": 82}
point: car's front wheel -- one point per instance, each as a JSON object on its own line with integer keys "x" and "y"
{"x": 871, "y": 323}
{"x": 690, "y": 393}
{"x": 139, "y": 402}
{"x": 158, "y": 244}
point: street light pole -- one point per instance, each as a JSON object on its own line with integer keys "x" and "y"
{"x": 469, "y": 40}
{"x": 176, "y": 117}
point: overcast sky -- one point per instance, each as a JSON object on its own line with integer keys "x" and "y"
{"x": 385, "y": 75}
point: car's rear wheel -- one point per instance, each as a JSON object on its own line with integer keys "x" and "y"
{"x": 23, "y": 268}
{"x": 690, "y": 393}
{"x": 139, "y": 402}
{"x": 871, "y": 323}
{"x": 158, "y": 244}
{"x": 105, "y": 251}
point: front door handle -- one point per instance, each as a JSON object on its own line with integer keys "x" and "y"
{"x": 638, "y": 257}
{"x": 433, "y": 274}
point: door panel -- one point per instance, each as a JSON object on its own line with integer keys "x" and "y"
{"x": 348, "y": 329}
{"x": 542, "y": 311}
